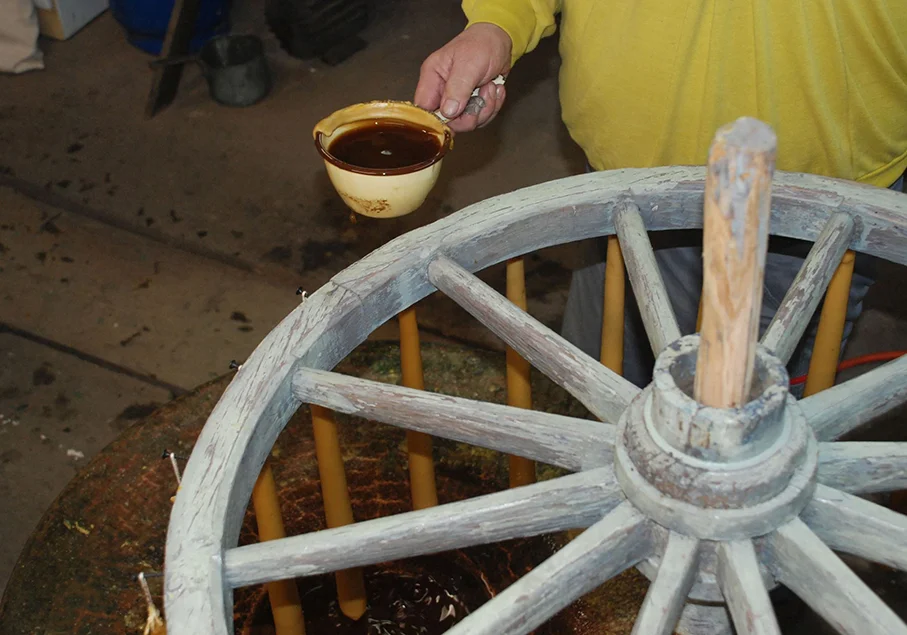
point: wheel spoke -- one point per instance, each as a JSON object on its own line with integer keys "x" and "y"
{"x": 807, "y": 289}
{"x": 856, "y": 526}
{"x": 577, "y": 500}
{"x": 610, "y": 546}
{"x": 574, "y": 444}
{"x": 645, "y": 277}
{"x": 667, "y": 595}
{"x": 810, "y": 569}
{"x": 834, "y": 412}
{"x": 605, "y": 393}
{"x": 863, "y": 467}
{"x": 744, "y": 590}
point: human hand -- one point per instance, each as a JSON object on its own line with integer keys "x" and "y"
{"x": 449, "y": 75}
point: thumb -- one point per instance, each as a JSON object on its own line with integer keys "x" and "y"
{"x": 464, "y": 76}
{"x": 430, "y": 89}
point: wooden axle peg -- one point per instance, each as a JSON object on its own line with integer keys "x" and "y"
{"x": 735, "y": 241}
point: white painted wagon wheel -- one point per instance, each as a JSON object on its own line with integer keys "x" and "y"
{"x": 796, "y": 490}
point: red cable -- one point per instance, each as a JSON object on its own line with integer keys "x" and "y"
{"x": 858, "y": 361}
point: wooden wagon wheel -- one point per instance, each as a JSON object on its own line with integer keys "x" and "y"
{"x": 714, "y": 504}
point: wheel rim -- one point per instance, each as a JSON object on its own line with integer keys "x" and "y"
{"x": 245, "y": 423}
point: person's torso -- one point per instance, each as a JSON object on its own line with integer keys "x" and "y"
{"x": 648, "y": 82}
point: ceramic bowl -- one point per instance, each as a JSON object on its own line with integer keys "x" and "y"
{"x": 381, "y": 193}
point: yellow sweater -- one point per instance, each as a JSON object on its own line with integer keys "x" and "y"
{"x": 648, "y": 82}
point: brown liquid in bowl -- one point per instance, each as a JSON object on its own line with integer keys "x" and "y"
{"x": 386, "y": 144}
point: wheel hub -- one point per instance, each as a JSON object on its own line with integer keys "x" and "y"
{"x": 716, "y": 474}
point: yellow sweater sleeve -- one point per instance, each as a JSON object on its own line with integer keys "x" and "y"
{"x": 525, "y": 21}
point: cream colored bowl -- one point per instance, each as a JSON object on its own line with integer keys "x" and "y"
{"x": 374, "y": 192}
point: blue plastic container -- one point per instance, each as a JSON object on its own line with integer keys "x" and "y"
{"x": 146, "y": 22}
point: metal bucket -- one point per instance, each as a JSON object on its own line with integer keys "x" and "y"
{"x": 234, "y": 66}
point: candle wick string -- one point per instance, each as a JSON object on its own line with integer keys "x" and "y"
{"x": 154, "y": 624}
{"x": 176, "y": 468}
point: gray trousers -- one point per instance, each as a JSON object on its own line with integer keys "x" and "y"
{"x": 681, "y": 269}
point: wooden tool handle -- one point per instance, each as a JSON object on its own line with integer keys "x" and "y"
{"x": 735, "y": 240}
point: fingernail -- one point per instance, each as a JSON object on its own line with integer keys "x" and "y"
{"x": 450, "y": 107}
{"x": 498, "y": 92}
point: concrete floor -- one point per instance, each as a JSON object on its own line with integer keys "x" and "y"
{"x": 138, "y": 257}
